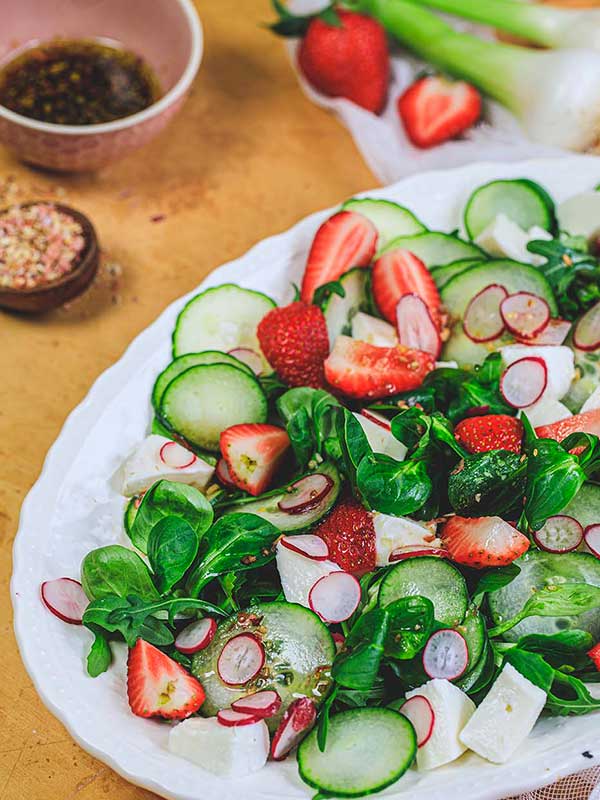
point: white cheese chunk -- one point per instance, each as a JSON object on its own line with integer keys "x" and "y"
{"x": 299, "y": 573}
{"x": 380, "y": 439}
{"x": 373, "y": 330}
{"x": 503, "y": 238}
{"x": 546, "y": 411}
{"x": 560, "y": 363}
{"x": 452, "y": 709}
{"x": 158, "y": 458}
{"x": 505, "y": 717}
{"x": 392, "y": 532}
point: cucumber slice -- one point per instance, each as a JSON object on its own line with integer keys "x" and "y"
{"x": 203, "y": 401}
{"x": 523, "y": 201}
{"x": 161, "y": 430}
{"x": 585, "y": 506}
{"x": 339, "y": 311}
{"x": 587, "y": 366}
{"x": 299, "y": 652}
{"x": 268, "y": 509}
{"x": 130, "y": 514}
{"x": 429, "y": 577}
{"x": 367, "y": 750}
{"x": 441, "y": 275}
{"x": 221, "y": 319}
{"x": 540, "y": 569}
{"x": 472, "y": 629}
{"x": 436, "y": 249}
{"x": 182, "y": 363}
{"x": 467, "y": 353}
{"x": 480, "y": 675}
{"x": 390, "y": 219}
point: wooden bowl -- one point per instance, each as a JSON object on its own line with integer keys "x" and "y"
{"x": 54, "y": 294}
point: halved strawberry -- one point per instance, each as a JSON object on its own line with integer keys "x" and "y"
{"x": 594, "y": 654}
{"x": 435, "y": 109}
{"x": 157, "y": 686}
{"x": 350, "y": 535}
{"x": 253, "y": 452}
{"x": 490, "y": 432}
{"x": 344, "y": 241}
{"x": 483, "y": 541}
{"x": 400, "y": 272}
{"x": 588, "y": 422}
{"x": 364, "y": 371}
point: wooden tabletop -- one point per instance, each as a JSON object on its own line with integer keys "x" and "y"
{"x": 247, "y": 157}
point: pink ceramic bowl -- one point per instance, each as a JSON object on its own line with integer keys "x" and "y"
{"x": 166, "y": 33}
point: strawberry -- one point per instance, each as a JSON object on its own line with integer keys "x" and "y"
{"x": 435, "y": 109}
{"x": 588, "y": 422}
{"x": 157, "y": 686}
{"x": 252, "y": 453}
{"x": 400, "y": 272}
{"x": 483, "y": 541}
{"x": 594, "y": 654}
{"x": 491, "y": 432}
{"x": 348, "y": 59}
{"x": 350, "y": 535}
{"x": 365, "y": 371}
{"x": 344, "y": 241}
{"x": 295, "y": 342}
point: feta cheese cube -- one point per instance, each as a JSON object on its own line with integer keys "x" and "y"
{"x": 503, "y": 238}
{"x": 505, "y": 717}
{"x": 158, "y": 458}
{"x": 452, "y": 709}
{"x": 373, "y": 330}
{"x": 381, "y": 439}
{"x": 392, "y": 532}
{"x": 299, "y": 573}
{"x": 224, "y": 751}
{"x": 560, "y": 363}
{"x": 546, "y": 411}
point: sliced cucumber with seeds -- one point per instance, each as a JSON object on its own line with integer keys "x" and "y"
{"x": 222, "y": 318}
{"x": 298, "y": 649}
{"x": 339, "y": 311}
{"x": 429, "y": 577}
{"x": 585, "y": 506}
{"x": 473, "y": 631}
{"x": 435, "y": 249}
{"x": 130, "y": 513}
{"x": 479, "y": 675}
{"x": 390, "y": 219}
{"x": 367, "y": 749}
{"x": 441, "y": 275}
{"x": 523, "y": 201}
{"x": 182, "y": 363}
{"x": 467, "y": 353}
{"x": 203, "y": 401}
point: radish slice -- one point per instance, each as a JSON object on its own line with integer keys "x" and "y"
{"x": 241, "y": 659}
{"x": 296, "y": 723}
{"x": 378, "y": 419}
{"x": 560, "y": 534}
{"x": 306, "y": 494}
{"x": 586, "y": 335}
{"x": 65, "y": 598}
{"x": 175, "y": 456}
{"x": 525, "y": 314}
{"x": 223, "y": 474}
{"x": 262, "y": 704}
{"x": 445, "y": 655}
{"x": 307, "y": 544}
{"x": 555, "y": 332}
{"x": 335, "y": 597}
{"x": 196, "y": 636}
{"x": 339, "y": 640}
{"x": 233, "y": 719}
{"x": 592, "y": 538}
{"x": 524, "y": 381}
{"x": 482, "y": 321}
{"x": 410, "y": 551}
{"x": 248, "y": 357}
{"x": 419, "y": 712}
{"x": 416, "y": 328}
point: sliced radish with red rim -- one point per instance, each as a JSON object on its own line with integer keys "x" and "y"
{"x": 296, "y": 723}
{"x": 592, "y": 538}
{"x": 65, "y": 598}
{"x": 555, "y": 332}
{"x": 196, "y": 636}
{"x": 248, "y": 357}
{"x": 411, "y": 551}
{"x": 445, "y": 655}
{"x": 223, "y": 474}
{"x": 233, "y": 719}
{"x": 419, "y": 712}
{"x": 416, "y": 328}
{"x": 306, "y": 494}
{"x": 241, "y": 660}
{"x": 560, "y": 534}
{"x": 524, "y": 381}
{"x": 586, "y": 335}
{"x": 482, "y": 321}
{"x": 307, "y": 544}
{"x": 175, "y": 456}
{"x": 262, "y": 704}
{"x": 378, "y": 419}
{"x": 335, "y": 597}
{"x": 525, "y": 314}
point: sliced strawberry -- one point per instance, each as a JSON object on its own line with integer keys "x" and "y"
{"x": 400, "y": 272}
{"x": 364, "y": 371}
{"x": 490, "y": 432}
{"x": 594, "y": 654}
{"x": 295, "y": 342}
{"x": 588, "y": 422}
{"x": 344, "y": 241}
{"x": 157, "y": 686}
{"x": 350, "y": 535}
{"x": 252, "y": 453}
{"x": 435, "y": 109}
{"x": 483, "y": 541}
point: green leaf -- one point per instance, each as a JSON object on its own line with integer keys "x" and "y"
{"x": 116, "y": 570}
{"x": 308, "y": 417}
{"x": 172, "y": 548}
{"x": 324, "y": 292}
{"x": 353, "y": 442}
{"x": 99, "y": 657}
{"x": 411, "y": 624}
{"x": 488, "y": 484}
{"x": 323, "y": 722}
{"x": 495, "y": 579}
{"x": 393, "y": 487}
{"x": 357, "y": 664}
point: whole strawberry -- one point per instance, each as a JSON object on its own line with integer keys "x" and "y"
{"x": 295, "y": 342}
{"x": 490, "y": 432}
{"x": 350, "y": 535}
